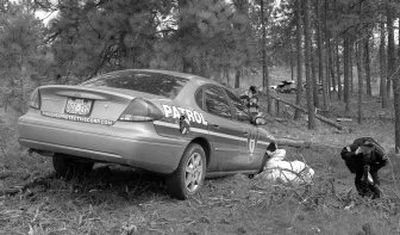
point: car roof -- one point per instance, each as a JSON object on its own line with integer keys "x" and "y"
{"x": 194, "y": 81}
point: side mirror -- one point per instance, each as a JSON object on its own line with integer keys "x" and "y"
{"x": 258, "y": 121}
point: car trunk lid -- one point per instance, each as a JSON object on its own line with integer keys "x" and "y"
{"x": 90, "y": 103}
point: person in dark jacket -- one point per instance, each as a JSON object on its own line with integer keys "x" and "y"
{"x": 364, "y": 158}
{"x": 250, "y": 99}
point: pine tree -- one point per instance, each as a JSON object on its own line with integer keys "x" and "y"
{"x": 321, "y": 56}
{"x": 265, "y": 77}
{"x": 23, "y": 55}
{"x": 346, "y": 72}
{"x": 299, "y": 87}
{"x": 360, "y": 73}
{"x": 307, "y": 53}
{"x": 382, "y": 65}
{"x": 390, "y": 49}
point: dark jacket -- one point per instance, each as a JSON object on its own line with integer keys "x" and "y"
{"x": 369, "y": 153}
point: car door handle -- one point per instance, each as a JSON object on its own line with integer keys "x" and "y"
{"x": 246, "y": 134}
{"x": 216, "y": 126}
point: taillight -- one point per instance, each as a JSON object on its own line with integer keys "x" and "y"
{"x": 34, "y": 101}
{"x": 140, "y": 110}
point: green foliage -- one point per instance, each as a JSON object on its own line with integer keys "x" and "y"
{"x": 22, "y": 53}
{"x": 195, "y": 36}
{"x": 91, "y": 37}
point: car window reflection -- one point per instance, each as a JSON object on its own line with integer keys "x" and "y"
{"x": 216, "y": 103}
{"x": 153, "y": 83}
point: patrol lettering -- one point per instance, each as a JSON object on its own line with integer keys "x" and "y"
{"x": 190, "y": 116}
{"x": 167, "y": 110}
{"x": 197, "y": 117}
{"x": 176, "y": 112}
{"x": 182, "y": 110}
{"x": 177, "y": 115}
{"x": 203, "y": 120}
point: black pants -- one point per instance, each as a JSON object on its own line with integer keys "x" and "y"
{"x": 365, "y": 188}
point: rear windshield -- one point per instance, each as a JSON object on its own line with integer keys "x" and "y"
{"x": 153, "y": 83}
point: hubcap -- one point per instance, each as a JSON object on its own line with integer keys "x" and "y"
{"x": 194, "y": 172}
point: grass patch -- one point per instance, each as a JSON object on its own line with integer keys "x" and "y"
{"x": 116, "y": 200}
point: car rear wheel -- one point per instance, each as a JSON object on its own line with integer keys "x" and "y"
{"x": 189, "y": 176}
{"x": 67, "y": 167}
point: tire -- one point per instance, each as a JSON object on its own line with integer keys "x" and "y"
{"x": 188, "y": 178}
{"x": 67, "y": 167}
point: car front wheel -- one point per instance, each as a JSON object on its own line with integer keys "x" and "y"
{"x": 189, "y": 176}
{"x": 67, "y": 167}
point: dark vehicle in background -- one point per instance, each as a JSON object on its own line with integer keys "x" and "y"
{"x": 180, "y": 125}
{"x": 285, "y": 86}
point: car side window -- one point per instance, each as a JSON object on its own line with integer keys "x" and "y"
{"x": 199, "y": 98}
{"x": 241, "y": 111}
{"x": 216, "y": 102}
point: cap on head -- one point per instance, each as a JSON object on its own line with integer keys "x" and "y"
{"x": 272, "y": 147}
{"x": 253, "y": 89}
{"x": 368, "y": 144}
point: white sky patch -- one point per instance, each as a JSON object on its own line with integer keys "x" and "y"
{"x": 42, "y": 15}
{"x": 45, "y": 16}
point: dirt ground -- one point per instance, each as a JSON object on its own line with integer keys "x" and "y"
{"x": 116, "y": 200}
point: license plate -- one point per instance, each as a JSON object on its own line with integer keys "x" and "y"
{"x": 78, "y": 106}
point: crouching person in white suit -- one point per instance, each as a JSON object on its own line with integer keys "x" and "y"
{"x": 288, "y": 172}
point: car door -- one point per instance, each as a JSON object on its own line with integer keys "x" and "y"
{"x": 251, "y": 154}
{"x": 227, "y": 142}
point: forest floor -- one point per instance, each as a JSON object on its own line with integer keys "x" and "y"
{"x": 116, "y": 200}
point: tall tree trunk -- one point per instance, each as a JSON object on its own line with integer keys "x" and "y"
{"x": 330, "y": 69}
{"x": 390, "y": 48}
{"x": 291, "y": 62}
{"x": 321, "y": 56}
{"x": 351, "y": 65}
{"x": 359, "y": 58}
{"x": 339, "y": 80}
{"x": 237, "y": 78}
{"x": 396, "y": 93}
{"x": 330, "y": 72}
{"x": 264, "y": 57}
{"x": 313, "y": 65}
{"x": 307, "y": 38}
{"x": 367, "y": 67}
{"x": 226, "y": 75}
{"x": 398, "y": 48}
{"x": 187, "y": 65}
{"x": 346, "y": 72}
{"x": 337, "y": 42}
{"x": 299, "y": 90}
{"x": 382, "y": 65}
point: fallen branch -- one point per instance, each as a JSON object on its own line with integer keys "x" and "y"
{"x": 302, "y": 144}
{"x": 293, "y": 143}
{"x": 319, "y": 117}
{"x": 11, "y": 191}
{"x": 344, "y": 119}
{"x": 18, "y": 189}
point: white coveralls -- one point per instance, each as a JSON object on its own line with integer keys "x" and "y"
{"x": 287, "y": 172}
